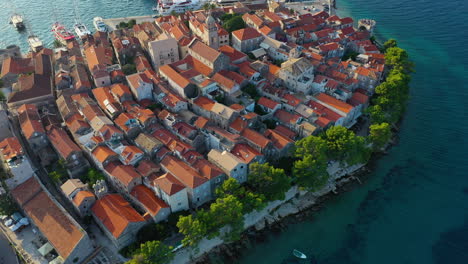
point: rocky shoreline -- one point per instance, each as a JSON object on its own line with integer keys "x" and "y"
{"x": 298, "y": 209}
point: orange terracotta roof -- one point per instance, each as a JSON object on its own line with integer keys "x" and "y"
{"x": 204, "y": 50}
{"x": 268, "y": 103}
{"x": 120, "y": 89}
{"x": 147, "y": 167}
{"x": 81, "y": 196}
{"x": 173, "y": 75}
{"x": 332, "y": 101}
{"x": 64, "y": 145}
{"x": 169, "y": 184}
{"x": 115, "y": 213}
{"x": 246, "y": 33}
{"x": 129, "y": 152}
{"x": 204, "y": 102}
{"x": 186, "y": 174}
{"x": 223, "y": 81}
{"x": 232, "y": 53}
{"x": 278, "y": 139}
{"x": 102, "y": 153}
{"x": 207, "y": 169}
{"x": 124, "y": 173}
{"x": 11, "y": 148}
{"x": 56, "y": 225}
{"x": 201, "y": 122}
{"x": 255, "y": 137}
{"x": 146, "y": 197}
{"x": 245, "y": 152}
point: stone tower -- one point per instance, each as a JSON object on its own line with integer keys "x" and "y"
{"x": 211, "y": 36}
{"x": 100, "y": 188}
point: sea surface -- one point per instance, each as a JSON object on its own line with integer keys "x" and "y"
{"x": 413, "y": 209}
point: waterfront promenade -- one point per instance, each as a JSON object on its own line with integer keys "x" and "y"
{"x": 113, "y": 22}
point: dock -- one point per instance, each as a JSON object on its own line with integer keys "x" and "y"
{"x": 113, "y": 22}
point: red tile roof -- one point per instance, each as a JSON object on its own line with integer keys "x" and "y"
{"x": 29, "y": 120}
{"x": 186, "y": 174}
{"x": 268, "y": 103}
{"x": 55, "y": 224}
{"x": 246, "y": 33}
{"x": 11, "y": 148}
{"x": 124, "y": 173}
{"x": 245, "y": 152}
{"x": 232, "y": 53}
{"x": 332, "y": 101}
{"x": 64, "y": 145}
{"x": 207, "y": 169}
{"x": 102, "y": 153}
{"x": 204, "y": 102}
{"x": 81, "y": 196}
{"x": 169, "y": 184}
{"x": 280, "y": 141}
{"x": 147, "y": 198}
{"x": 115, "y": 213}
{"x": 255, "y": 137}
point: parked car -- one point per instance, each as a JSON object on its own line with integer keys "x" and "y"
{"x": 9, "y": 222}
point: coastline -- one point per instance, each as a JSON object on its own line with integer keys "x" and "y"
{"x": 276, "y": 214}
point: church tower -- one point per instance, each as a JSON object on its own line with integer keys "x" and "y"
{"x": 211, "y": 36}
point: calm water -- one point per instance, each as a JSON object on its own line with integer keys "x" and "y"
{"x": 414, "y": 208}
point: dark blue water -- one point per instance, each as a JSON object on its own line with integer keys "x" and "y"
{"x": 414, "y": 207}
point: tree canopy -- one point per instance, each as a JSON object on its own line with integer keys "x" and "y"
{"x": 250, "y": 200}
{"x": 234, "y": 23}
{"x": 343, "y": 145}
{"x": 311, "y": 172}
{"x": 391, "y": 43}
{"x": 7, "y": 205}
{"x": 379, "y": 135}
{"x": 152, "y": 252}
{"x": 268, "y": 180}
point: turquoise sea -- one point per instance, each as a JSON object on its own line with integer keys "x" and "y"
{"x": 414, "y": 207}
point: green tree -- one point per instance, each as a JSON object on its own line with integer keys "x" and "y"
{"x": 91, "y": 176}
{"x": 234, "y": 23}
{"x": 227, "y": 211}
{"x": 268, "y": 180}
{"x": 129, "y": 69}
{"x": 2, "y": 95}
{"x": 152, "y": 252}
{"x": 391, "y": 43}
{"x": 311, "y": 172}
{"x": 7, "y": 205}
{"x": 379, "y": 135}
{"x": 250, "y": 200}
{"x": 59, "y": 173}
{"x": 312, "y": 145}
{"x": 192, "y": 229}
{"x": 377, "y": 115}
{"x": 343, "y": 145}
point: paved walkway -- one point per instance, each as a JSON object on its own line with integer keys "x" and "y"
{"x": 113, "y": 22}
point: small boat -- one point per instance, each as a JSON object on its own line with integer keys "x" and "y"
{"x": 61, "y": 33}
{"x": 99, "y": 24}
{"x": 299, "y": 254}
{"x": 81, "y": 30}
{"x": 17, "y": 21}
{"x": 35, "y": 43}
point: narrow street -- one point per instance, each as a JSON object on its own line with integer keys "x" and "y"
{"x": 7, "y": 253}
{"x": 40, "y": 171}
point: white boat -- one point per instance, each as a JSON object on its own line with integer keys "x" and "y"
{"x": 99, "y": 24}
{"x": 166, "y": 7}
{"x": 17, "y": 21}
{"x": 299, "y": 254}
{"x": 81, "y": 30}
{"x": 35, "y": 43}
